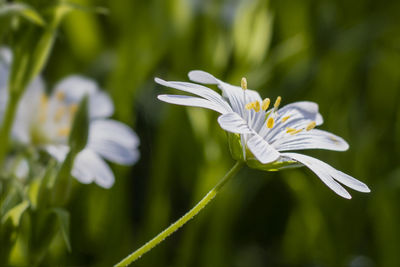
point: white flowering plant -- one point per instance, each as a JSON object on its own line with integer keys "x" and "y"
{"x": 259, "y": 136}
{"x": 47, "y": 140}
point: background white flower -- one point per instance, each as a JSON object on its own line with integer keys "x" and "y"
{"x": 45, "y": 121}
{"x": 267, "y": 132}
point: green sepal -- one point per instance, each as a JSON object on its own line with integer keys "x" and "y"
{"x": 77, "y": 141}
{"x": 80, "y": 128}
{"x": 236, "y": 149}
{"x": 235, "y": 146}
{"x": 271, "y": 167}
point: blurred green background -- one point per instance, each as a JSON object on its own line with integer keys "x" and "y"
{"x": 344, "y": 55}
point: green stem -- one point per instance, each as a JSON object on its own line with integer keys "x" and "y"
{"x": 7, "y": 125}
{"x": 184, "y": 219}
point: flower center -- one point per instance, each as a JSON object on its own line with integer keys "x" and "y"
{"x": 54, "y": 120}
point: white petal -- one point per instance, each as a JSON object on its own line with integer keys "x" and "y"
{"x": 89, "y": 167}
{"x": 308, "y": 110}
{"x": 5, "y": 60}
{"x": 28, "y": 111}
{"x": 75, "y": 87}
{"x": 349, "y": 181}
{"x": 263, "y": 151}
{"x": 232, "y": 122}
{"x": 59, "y": 152}
{"x": 100, "y": 105}
{"x": 5, "y": 55}
{"x": 114, "y": 141}
{"x": 199, "y": 90}
{"x": 313, "y": 139}
{"x": 191, "y": 101}
{"x": 327, "y": 174}
{"x": 200, "y": 76}
{"x": 237, "y": 98}
{"x": 22, "y": 169}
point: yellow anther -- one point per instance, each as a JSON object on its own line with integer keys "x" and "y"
{"x": 285, "y": 118}
{"x": 243, "y": 83}
{"x": 265, "y": 104}
{"x": 256, "y": 106}
{"x": 293, "y": 131}
{"x": 311, "y": 125}
{"x": 249, "y": 105}
{"x": 277, "y": 102}
{"x": 253, "y": 105}
{"x": 43, "y": 108}
{"x": 290, "y": 130}
{"x": 334, "y": 139}
{"x": 60, "y": 96}
{"x": 73, "y": 108}
{"x": 44, "y": 100}
{"x": 63, "y": 131}
{"x": 59, "y": 114}
{"x": 270, "y": 122}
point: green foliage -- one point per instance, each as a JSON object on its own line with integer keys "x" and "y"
{"x": 342, "y": 54}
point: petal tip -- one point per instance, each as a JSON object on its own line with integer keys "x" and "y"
{"x": 202, "y": 77}
{"x": 159, "y": 81}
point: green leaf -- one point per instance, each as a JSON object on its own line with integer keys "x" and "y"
{"x": 22, "y": 10}
{"x": 15, "y": 213}
{"x": 63, "y": 222}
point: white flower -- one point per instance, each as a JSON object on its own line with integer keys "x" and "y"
{"x": 45, "y": 121}
{"x": 266, "y": 133}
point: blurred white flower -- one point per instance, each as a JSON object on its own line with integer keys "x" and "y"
{"x": 45, "y": 121}
{"x": 266, "y": 133}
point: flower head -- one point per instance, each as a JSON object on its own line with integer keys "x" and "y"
{"x": 260, "y": 133}
{"x": 45, "y": 121}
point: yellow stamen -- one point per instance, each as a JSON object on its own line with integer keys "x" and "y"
{"x": 73, "y": 108}
{"x": 256, "y": 106}
{"x": 44, "y": 100}
{"x": 249, "y": 105}
{"x": 277, "y": 102}
{"x": 60, "y": 96}
{"x": 293, "y": 131}
{"x": 311, "y": 125}
{"x": 290, "y": 130}
{"x": 243, "y": 83}
{"x": 333, "y": 139}
{"x": 265, "y": 104}
{"x": 43, "y": 108}
{"x": 59, "y": 114}
{"x": 270, "y": 122}
{"x": 253, "y": 105}
{"x": 63, "y": 131}
{"x": 285, "y": 118}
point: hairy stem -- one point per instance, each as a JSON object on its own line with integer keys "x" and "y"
{"x": 184, "y": 219}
